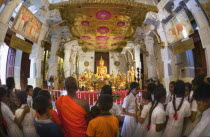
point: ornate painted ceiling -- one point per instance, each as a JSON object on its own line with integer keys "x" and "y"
{"x": 102, "y": 25}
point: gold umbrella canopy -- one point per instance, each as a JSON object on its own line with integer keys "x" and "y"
{"x": 103, "y": 25}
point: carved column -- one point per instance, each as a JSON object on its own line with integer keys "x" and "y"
{"x": 37, "y": 56}
{"x": 151, "y": 62}
{"x": 66, "y": 63}
{"x": 5, "y": 16}
{"x": 53, "y": 60}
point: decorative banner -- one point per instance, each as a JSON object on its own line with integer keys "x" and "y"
{"x": 27, "y": 25}
{"x": 178, "y": 28}
{"x": 183, "y": 46}
{"x": 20, "y": 44}
{"x": 206, "y": 6}
{"x": 1, "y": 2}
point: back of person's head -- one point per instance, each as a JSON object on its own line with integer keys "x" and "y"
{"x": 202, "y": 93}
{"x": 22, "y": 97}
{"x": 179, "y": 88}
{"x": 208, "y": 80}
{"x": 159, "y": 93}
{"x": 45, "y": 93}
{"x": 151, "y": 87}
{"x": 10, "y": 82}
{"x": 71, "y": 85}
{"x": 172, "y": 83}
{"x": 106, "y": 89}
{"x": 147, "y": 95}
{"x": 36, "y": 92}
{"x": 160, "y": 86}
{"x": 3, "y": 92}
{"x": 28, "y": 87}
{"x": 199, "y": 80}
{"x": 105, "y": 102}
{"x": 41, "y": 104}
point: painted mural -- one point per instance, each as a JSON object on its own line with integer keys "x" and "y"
{"x": 178, "y": 28}
{"x": 27, "y": 25}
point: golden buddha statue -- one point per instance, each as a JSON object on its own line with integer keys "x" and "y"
{"x": 101, "y": 69}
{"x": 132, "y": 75}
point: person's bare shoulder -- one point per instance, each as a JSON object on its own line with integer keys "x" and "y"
{"x": 83, "y": 103}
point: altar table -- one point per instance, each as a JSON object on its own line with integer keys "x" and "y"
{"x": 92, "y": 96}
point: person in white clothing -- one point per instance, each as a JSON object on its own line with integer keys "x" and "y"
{"x": 13, "y": 123}
{"x": 157, "y": 115}
{"x": 28, "y": 121}
{"x": 177, "y": 111}
{"x": 115, "y": 110}
{"x": 130, "y": 111}
{"x": 202, "y": 97}
{"x": 171, "y": 92}
{"x": 143, "y": 116}
{"x": 29, "y": 90}
{"x": 195, "y": 114}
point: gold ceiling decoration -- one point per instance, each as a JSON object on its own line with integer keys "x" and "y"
{"x": 103, "y": 25}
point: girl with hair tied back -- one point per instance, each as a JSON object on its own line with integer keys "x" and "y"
{"x": 130, "y": 111}
{"x": 177, "y": 111}
{"x": 157, "y": 116}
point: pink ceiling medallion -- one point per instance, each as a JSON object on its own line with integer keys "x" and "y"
{"x": 102, "y": 38}
{"x": 121, "y": 24}
{"x": 103, "y": 30}
{"x": 102, "y": 43}
{"x": 118, "y": 38}
{"x": 86, "y": 37}
{"x": 102, "y": 47}
{"x": 103, "y": 15}
{"x": 85, "y": 23}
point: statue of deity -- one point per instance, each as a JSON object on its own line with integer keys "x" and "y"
{"x": 132, "y": 75}
{"x": 101, "y": 69}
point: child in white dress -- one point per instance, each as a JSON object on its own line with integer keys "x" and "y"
{"x": 12, "y": 122}
{"x": 202, "y": 96}
{"x": 130, "y": 110}
{"x": 28, "y": 121}
{"x": 143, "y": 116}
{"x": 177, "y": 111}
{"x": 195, "y": 114}
{"x": 171, "y": 92}
{"x": 157, "y": 116}
{"x": 29, "y": 90}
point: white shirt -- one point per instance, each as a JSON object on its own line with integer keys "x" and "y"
{"x": 145, "y": 111}
{"x": 115, "y": 110}
{"x": 174, "y": 127}
{"x": 130, "y": 103}
{"x": 7, "y": 114}
{"x": 203, "y": 127}
{"x": 29, "y": 101}
{"x": 158, "y": 117}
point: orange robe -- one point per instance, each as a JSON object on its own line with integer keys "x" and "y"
{"x": 72, "y": 117}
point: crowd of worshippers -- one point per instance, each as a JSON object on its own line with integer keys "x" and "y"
{"x": 184, "y": 112}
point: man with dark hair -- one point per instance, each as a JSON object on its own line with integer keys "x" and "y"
{"x": 45, "y": 127}
{"x": 72, "y": 111}
{"x": 29, "y": 91}
{"x": 106, "y": 124}
{"x": 13, "y": 102}
{"x": 202, "y": 97}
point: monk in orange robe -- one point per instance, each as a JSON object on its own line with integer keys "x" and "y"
{"x": 72, "y": 111}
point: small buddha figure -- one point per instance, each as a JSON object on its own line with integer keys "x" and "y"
{"x": 132, "y": 75}
{"x": 101, "y": 69}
